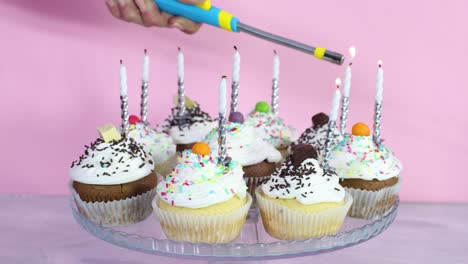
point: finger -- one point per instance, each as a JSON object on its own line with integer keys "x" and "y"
{"x": 192, "y": 2}
{"x": 151, "y": 14}
{"x": 184, "y": 25}
{"x": 113, "y": 8}
{"x": 129, "y": 11}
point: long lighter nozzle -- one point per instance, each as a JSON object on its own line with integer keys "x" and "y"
{"x": 320, "y": 53}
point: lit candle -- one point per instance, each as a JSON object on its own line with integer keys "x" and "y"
{"x": 222, "y": 123}
{"x": 346, "y": 92}
{"x": 332, "y": 123}
{"x": 180, "y": 83}
{"x": 235, "y": 80}
{"x": 275, "y": 83}
{"x": 124, "y": 98}
{"x": 378, "y": 104}
{"x": 144, "y": 89}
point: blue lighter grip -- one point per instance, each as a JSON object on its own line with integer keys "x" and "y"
{"x": 197, "y": 14}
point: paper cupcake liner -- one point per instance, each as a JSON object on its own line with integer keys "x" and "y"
{"x": 373, "y": 205}
{"x": 116, "y": 213}
{"x": 221, "y": 228}
{"x": 284, "y": 223}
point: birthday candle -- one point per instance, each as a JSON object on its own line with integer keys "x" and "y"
{"x": 378, "y": 103}
{"x": 235, "y": 80}
{"x": 124, "y": 98}
{"x": 180, "y": 83}
{"x": 332, "y": 123}
{"x": 346, "y": 92}
{"x": 222, "y": 121}
{"x": 275, "y": 83}
{"x": 336, "y": 101}
{"x": 144, "y": 89}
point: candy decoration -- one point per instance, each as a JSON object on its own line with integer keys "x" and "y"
{"x": 361, "y": 130}
{"x": 236, "y": 117}
{"x": 133, "y": 119}
{"x": 201, "y": 148}
{"x": 109, "y": 133}
{"x": 262, "y": 107}
{"x": 319, "y": 120}
{"x": 189, "y": 103}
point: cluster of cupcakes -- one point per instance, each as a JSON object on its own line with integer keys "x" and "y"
{"x": 201, "y": 176}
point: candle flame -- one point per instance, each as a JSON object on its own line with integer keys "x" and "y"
{"x": 352, "y": 51}
{"x": 380, "y": 63}
{"x": 338, "y": 82}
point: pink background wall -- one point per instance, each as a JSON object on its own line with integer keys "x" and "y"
{"x": 59, "y": 79}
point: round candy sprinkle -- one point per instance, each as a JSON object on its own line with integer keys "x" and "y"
{"x": 262, "y": 107}
{"x": 133, "y": 119}
{"x": 201, "y": 148}
{"x": 236, "y": 117}
{"x": 361, "y": 129}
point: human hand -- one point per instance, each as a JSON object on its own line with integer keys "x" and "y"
{"x": 146, "y": 13}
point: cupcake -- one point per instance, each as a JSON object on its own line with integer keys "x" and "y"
{"x": 257, "y": 157}
{"x": 370, "y": 173}
{"x": 202, "y": 201}
{"x": 301, "y": 200}
{"x": 159, "y": 144}
{"x": 317, "y": 134}
{"x": 271, "y": 128}
{"x": 113, "y": 182}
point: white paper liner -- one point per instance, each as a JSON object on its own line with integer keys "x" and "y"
{"x": 116, "y": 213}
{"x": 284, "y": 223}
{"x": 213, "y": 229}
{"x": 373, "y": 205}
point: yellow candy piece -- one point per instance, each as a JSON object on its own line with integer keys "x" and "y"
{"x": 109, "y": 132}
{"x": 189, "y": 103}
{"x": 201, "y": 148}
{"x": 361, "y": 129}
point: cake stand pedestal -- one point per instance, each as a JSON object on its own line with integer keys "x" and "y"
{"x": 252, "y": 244}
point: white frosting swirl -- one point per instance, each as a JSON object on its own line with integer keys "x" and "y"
{"x": 358, "y": 157}
{"x": 108, "y": 163}
{"x": 199, "y": 181}
{"x": 272, "y": 129}
{"x": 316, "y": 137}
{"x": 243, "y": 145}
{"x": 308, "y": 183}
{"x": 159, "y": 144}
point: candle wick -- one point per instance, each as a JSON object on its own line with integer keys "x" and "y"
{"x": 276, "y": 53}
{"x": 235, "y": 47}
{"x": 178, "y": 48}
{"x": 121, "y": 61}
{"x": 351, "y": 63}
{"x": 145, "y": 51}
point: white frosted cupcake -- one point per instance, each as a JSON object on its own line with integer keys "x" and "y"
{"x": 159, "y": 144}
{"x": 257, "y": 157}
{"x": 271, "y": 128}
{"x": 317, "y": 134}
{"x": 369, "y": 172}
{"x": 113, "y": 183}
{"x": 202, "y": 200}
{"x": 301, "y": 200}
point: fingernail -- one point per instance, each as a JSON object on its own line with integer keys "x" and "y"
{"x": 122, "y": 2}
{"x": 141, "y": 5}
{"x": 178, "y": 26}
{"x": 110, "y": 3}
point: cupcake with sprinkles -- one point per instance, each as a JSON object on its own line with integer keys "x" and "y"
{"x": 257, "y": 157}
{"x": 271, "y": 128}
{"x": 316, "y": 135}
{"x": 369, "y": 171}
{"x": 205, "y": 197}
{"x": 301, "y": 200}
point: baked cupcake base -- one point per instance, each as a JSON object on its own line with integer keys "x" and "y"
{"x": 208, "y": 226}
{"x": 285, "y": 223}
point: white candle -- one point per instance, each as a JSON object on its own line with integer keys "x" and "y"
{"x": 380, "y": 75}
{"x": 236, "y": 66}
{"x": 123, "y": 80}
{"x": 222, "y": 97}
{"x": 336, "y": 101}
{"x": 180, "y": 65}
{"x": 145, "y": 76}
{"x": 276, "y": 66}
{"x": 348, "y": 73}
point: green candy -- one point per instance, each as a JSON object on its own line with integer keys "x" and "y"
{"x": 262, "y": 107}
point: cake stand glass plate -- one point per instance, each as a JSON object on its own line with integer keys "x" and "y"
{"x": 252, "y": 244}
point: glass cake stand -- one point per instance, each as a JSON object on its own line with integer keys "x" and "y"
{"x": 252, "y": 244}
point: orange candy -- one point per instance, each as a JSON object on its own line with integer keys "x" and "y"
{"x": 361, "y": 129}
{"x": 201, "y": 148}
